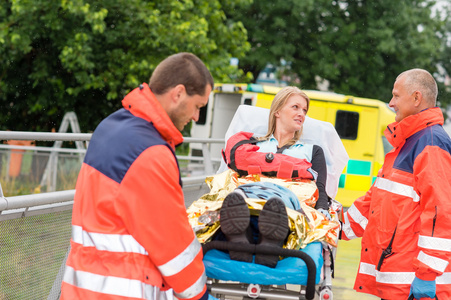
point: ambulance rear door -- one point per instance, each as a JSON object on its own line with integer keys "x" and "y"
{"x": 225, "y": 102}
{"x": 357, "y": 126}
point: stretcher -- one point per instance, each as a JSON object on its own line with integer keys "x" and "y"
{"x": 301, "y": 274}
{"x": 310, "y": 269}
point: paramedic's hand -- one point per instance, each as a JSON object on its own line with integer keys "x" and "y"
{"x": 210, "y": 297}
{"x": 422, "y": 288}
{"x": 324, "y": 212}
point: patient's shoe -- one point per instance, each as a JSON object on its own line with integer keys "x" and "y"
{"x": 234, "y": 220}
{"x": 273, "y": 226}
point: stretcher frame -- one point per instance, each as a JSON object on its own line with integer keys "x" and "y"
{"x": 323, "y": 289}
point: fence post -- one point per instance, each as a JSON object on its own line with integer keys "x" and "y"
{"x": 208, "y": 164}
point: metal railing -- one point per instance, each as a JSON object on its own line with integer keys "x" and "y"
{"x": 35, "y": 228}
{"x": 49, "y": 176}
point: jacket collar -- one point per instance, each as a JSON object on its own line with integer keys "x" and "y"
{"x": 398, "y": 132}
{"x": 274, "y": 140}
{"x": 142, "y": 103}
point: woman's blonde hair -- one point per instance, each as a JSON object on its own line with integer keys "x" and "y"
{"x": 277, "y": 104}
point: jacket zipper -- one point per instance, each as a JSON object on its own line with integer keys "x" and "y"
{"x": 386, "y": 252}
{"x": 434, "y": 220}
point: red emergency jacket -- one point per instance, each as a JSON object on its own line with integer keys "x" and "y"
{"x": 241, "y": 156}
{"x": 130, "y": 233}
{"x": 411, "y": 195}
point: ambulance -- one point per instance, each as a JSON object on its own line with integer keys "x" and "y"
{"x": 360, "y": 123}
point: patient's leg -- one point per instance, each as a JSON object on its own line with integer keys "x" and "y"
{"x": 273, "y": 226}
{"x": 234, "y": 220}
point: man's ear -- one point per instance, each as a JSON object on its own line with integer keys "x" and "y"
{"x": 418, "y": 98}
{"x": 177, "y": 93}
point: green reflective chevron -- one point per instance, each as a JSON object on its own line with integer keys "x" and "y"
{"x": 341, "y": 184}
{"x": 359, "y": 167}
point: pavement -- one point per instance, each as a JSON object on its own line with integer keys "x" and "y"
{"x": 346, "y": 266}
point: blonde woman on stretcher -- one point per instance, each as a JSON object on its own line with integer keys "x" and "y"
{"x": 279, "y": 153}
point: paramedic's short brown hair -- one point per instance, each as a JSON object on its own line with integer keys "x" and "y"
{"x": 181, "y": 68}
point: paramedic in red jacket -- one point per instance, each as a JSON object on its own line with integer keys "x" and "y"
{"x": 130, "y": 233}
{"x": 404, "y": 219}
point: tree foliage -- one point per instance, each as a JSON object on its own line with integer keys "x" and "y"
{"x": 358, "y": 46}
{"x": 84, "y": 56}
{"x": 445, "y": 55}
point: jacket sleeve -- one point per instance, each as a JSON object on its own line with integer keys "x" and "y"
{"x": 241, "y": 155}
{"x": 355, "y": 218}
{"x": 433, "y": 185}
{"x": 153, "y": 209}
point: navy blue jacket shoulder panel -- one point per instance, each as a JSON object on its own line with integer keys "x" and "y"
{"x": 118, "y": 141}
{"x": 430, "y": 136}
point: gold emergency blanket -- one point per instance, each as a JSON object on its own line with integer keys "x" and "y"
{"x": 306, "y": 225}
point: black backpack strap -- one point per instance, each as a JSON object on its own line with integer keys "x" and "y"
{"x": 281, "y": 149}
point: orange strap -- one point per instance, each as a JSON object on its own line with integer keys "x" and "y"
{"x": 254, "y": 169}
{"x": 285, "y": 169}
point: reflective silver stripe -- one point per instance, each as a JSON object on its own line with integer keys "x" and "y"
{"x": 443, "y": 279}
{"x": 397, "y": 277}
{"x": 357, "y": 217}
{"x": 107, "y": 242}
{"x": 434, "y": 243}
{"x": 110, "y": 285}
{"x": 193, "y": 290}
{"x": 347, "y": 228}
{"x": 182, "y": 260}
{"x": 367, "y": 269}
{"x": 433, "y": 262}
{"x": 387, "y": 277}
{"x": 396, "y": 188}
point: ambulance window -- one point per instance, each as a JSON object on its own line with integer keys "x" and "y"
{"x": 202, "y": 115}
{"x": 247, "y": 101}
{"x": 347, "y": 124}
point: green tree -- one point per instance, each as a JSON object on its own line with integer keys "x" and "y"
{"x": 445, "y": 58}
{"x": 358, "y": 46}
{"x": 85, "y": 55}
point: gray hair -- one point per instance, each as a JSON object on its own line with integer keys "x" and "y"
{"x": 422, "y": 81}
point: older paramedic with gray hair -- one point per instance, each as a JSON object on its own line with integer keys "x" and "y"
{"x": 404, "y": 218}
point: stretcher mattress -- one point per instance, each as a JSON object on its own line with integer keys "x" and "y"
{"x": 290, "y": 270}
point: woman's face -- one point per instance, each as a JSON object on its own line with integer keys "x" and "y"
{"x": 292, "y": 115}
